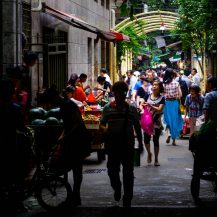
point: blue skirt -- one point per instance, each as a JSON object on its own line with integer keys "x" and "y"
{"x": 173, "y": 118}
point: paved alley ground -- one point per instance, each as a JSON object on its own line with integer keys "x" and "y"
{"x": 158, "y": 191}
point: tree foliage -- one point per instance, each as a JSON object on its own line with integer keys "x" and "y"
{"x": 127, "y": 6}
{"x": 197, "y": 25}
{"x": 134, "y": 45}
{"x": 168, "y": 5}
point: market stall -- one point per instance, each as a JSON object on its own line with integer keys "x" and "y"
{"x": 47, "y": 127}
{"x": 91, "y": 117}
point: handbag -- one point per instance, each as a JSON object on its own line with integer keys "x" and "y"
{"x": 186, "y": 126}
{"x": 147, "y": 121}
{"x": 182, "y": 108}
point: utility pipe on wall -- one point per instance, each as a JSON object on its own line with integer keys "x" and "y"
{"x": 39, "y": 8}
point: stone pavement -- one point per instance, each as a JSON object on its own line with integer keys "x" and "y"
{"x": 158, "y": 191}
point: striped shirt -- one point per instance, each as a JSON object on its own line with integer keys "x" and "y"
{"x": 120, "y": 123}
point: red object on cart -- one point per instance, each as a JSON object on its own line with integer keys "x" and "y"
{"x": 91, "y": 98}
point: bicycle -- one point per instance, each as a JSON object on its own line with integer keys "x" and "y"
{"x": 51, "y": 190}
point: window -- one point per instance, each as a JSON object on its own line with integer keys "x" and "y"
{"x": 107, "y": 4}
{"x": 55, "y": 66}
{"x": 103, "y": 54}
{"x": 89, "y": 45}
{"x": 102, "y": 2}
{"x": 108, "y": 56}
{"x": 96, "y": 60}
{"x": 89, "y": 58}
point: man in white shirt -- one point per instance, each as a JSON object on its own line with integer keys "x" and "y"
{"x": 131, "y": 81}
{"x": 196, "y": 78}
{"x": 103, "y": 73}
{"x": 136, "y": 73}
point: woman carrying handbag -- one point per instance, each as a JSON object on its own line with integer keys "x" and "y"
{"x": 155, "y": 103}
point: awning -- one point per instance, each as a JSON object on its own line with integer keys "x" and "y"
{"x": 120, "y": 36}
{"x": 78, "y": 23}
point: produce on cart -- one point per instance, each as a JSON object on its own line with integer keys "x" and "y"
{"x": 91, "y": 117}
{"x": 47, "y": 127}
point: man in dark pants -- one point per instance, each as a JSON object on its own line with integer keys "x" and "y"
{"x": 120, "y": 119}
{"x": 76, "y": 139}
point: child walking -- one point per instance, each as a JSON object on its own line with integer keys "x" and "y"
{"x": 193, "y": 106}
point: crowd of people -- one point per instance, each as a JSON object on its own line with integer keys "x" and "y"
{"x": 161, "y": 92}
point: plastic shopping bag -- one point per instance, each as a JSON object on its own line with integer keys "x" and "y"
{"x": 186, "y": 126}
{"x": 147, "y": 121}
{"x": 91, "y": 98}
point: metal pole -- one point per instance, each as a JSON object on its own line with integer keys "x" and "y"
{"x": 38, "y": 73}
{"x": 17, "y": 32}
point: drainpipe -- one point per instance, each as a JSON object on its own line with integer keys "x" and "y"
{"x": 17, "y": 32}
{"x": 39, "y": 8}
{"x": 112, "y": 48}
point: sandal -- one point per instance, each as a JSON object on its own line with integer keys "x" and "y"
{"x": 149, "y": 160}
{"x": 156, "y": 164}
{"x": 168, "y": 139}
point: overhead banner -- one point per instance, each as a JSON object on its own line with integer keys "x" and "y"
{"x": 160, "y": 41}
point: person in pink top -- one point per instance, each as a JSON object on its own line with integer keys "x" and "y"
{"x": 172, "y": 114}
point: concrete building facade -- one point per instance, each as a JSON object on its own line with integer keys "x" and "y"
{"x": 63, "y": 48}
{"x": 10, "y": 33}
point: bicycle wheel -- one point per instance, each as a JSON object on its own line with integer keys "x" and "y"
{"x": 54, "y": 193}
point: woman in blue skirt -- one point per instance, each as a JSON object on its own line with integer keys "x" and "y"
{"x": 172, "y": 114}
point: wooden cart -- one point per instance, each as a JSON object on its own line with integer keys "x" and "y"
{"x": 93, "y": 127}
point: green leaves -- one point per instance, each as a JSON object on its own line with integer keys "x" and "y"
{"x": 127, "y": 8}
{"x": 134, "y": 45}
{"x": 196, "y": 24}
{"x": 124, "y": 9}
